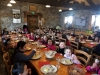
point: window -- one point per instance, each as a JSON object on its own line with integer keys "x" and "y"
{"x": 68, "y": 20}
{"x": 96, "y": 20}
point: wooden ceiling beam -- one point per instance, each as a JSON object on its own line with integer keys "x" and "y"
{"x": 90, "y": 2}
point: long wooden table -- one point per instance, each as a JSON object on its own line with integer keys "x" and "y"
{"x": 63, "y": 70}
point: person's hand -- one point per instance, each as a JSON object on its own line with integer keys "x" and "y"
{"x": 29, "y": 71}
{"x": 94, "y": 65}
{"x": 34, "y": 50}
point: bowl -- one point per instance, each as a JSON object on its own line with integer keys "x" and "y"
{"x": 50, "y": 54}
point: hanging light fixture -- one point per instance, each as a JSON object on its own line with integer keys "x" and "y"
{"x": 60, "y": 10}
{"x": 70, "y": 8}
{"x": 10, "y": 5}
{"x": 12, "y": 1}
{"x": 48, "y": 6}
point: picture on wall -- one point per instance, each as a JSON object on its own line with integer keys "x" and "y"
{"x": 16, "y": 16}
{"x": 80, "y": 21}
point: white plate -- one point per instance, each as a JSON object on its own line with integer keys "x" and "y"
{"x": 48, "y": 69}
{"x": 36, "y": 56}
{"x": 31, "y": 40}
{"x": 94, "y": 74}
{"x": 88, "y": 40}
{"x": 83, "y": 42}
{"x": 42, "y": 46}
{"x": 66, "y": 61}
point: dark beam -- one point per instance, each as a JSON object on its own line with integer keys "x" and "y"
{"x": 90, "y": 2}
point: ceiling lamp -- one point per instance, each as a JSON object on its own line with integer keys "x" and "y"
{"x": 12, "y": 1}
{"x": 48, "y": 6}
{"x": 9, "y": 4}
{"x": 60, "y": 10}
{"x": 70, "y": 8}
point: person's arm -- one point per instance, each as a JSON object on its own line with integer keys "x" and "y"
{"x": 27, "y": 57}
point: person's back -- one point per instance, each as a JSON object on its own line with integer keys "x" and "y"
{"x": 19, "y": 55}
{"x": 97, "y": 49}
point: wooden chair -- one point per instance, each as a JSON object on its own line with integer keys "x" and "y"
{"x": 4, "y": 49}
{"x": 83, "y": 57}
{"x": 74, "y": 45}
{"x": 62, "y": 39}
{"x": 7, "y": 63}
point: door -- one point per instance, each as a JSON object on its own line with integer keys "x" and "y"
{"x": 32, "y": 21}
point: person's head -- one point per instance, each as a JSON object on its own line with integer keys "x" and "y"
{"x": 37, "y": 36}
{"x": 50, "y": 42}
{"x": 21, "y": 45}
{"x": 68, "y": 52}
{"x": 20, "y": 69}
{"x": 31, "y": 34}
{"x": 62, "y": 45}
{"x": 96, "y": 39}
{"x": 5, "y": 29}
{"x": 97, "y": 61}
{"x": 45, "y": 37}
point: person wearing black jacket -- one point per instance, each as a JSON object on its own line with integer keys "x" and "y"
{"x": 97, "y": 49}
{"x": 19, "y": 55}
{"x": 61, "y": 48}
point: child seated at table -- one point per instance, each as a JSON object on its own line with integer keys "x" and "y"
{"x": 21, "y": 69}
{"x": 50, "y": 45}
{"x": 68, "y": 54}
{"x": 61, "y": 48}
{"x": 95, "y": 67}
{"x": 44, "y": 40}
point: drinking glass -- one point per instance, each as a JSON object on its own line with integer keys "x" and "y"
{"x": 58, "y": 62}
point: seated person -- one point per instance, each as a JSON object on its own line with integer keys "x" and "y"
{"x": 68, "y": 54}
{"x": 21, "y": 69}
{"x": 77, "y": 39}
{"x": 91, "y": 37}
{"x": 61, "y": 48}
{"x": 19, "y": 55}
{"x": 5, "y": 39}
{"x": 30, "y": 36}
{"x": 96, "y": 39}
{"x": 37, "y": 37}
{"x": 44, "y": 40}
{"x": 97, "y": 49}
{"x": 94, "y": 67}
{"x": 50, "y": 45}
{"x": 4, "y": 31}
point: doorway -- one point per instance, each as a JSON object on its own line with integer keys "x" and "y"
{"x": 32, "y": 22}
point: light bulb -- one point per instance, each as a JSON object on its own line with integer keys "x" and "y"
{"x": 48, "y": 6}
{"x": 60, "y": 10}
{"x": 9, "y": 4}
{"x": 70, "y": 8}
{"x": 12, "y": 1}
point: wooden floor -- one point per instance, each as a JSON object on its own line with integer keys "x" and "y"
{"x": 2, "y": 66}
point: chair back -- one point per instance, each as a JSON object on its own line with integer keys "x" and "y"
{"x": 7, "y": 63}
{"x": 74, "y": 45}
{"x": 83, "y": 57}
{"x": 4, "y": 49}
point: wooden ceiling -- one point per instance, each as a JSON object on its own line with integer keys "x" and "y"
{"x": 76, "y": 4}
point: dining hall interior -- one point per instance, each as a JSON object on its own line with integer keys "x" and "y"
{"x": 49, "y": 37}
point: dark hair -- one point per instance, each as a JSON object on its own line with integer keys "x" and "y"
{"x": 18, "y": 68}
{"x": 70, "y": 48}
{"x": 20, "y": 44}
{"x": 53, "y": 43}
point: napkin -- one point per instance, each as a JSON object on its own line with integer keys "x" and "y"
{"x": 45, "y": 49}
{"x": 41, "y": 63}
{"x": 88, "y": 73}
{"x": 80, "y": 66}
